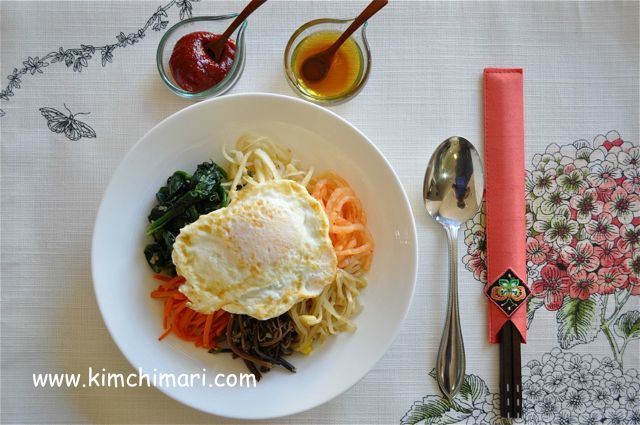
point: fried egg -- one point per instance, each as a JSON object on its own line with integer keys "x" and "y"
{"x": 269, "y": 249}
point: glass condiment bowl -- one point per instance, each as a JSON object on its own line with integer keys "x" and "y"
{"x": 215, "y": 24}
{"x": 327, "y": 24}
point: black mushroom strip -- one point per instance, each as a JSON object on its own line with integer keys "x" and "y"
{"x": 262, "y": 344}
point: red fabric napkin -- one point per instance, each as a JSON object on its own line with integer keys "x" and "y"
{"x": 505, "y": 200}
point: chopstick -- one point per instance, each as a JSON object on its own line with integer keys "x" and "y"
{"x": 510, "y": 372}
{"x": 505, "y": 370}
{"x": 516, "y": 372}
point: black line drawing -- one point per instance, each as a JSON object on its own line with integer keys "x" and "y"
{"x": 72, "y": 128}
{"x": 560, "y": 387}
{"x": 78, "y": 58}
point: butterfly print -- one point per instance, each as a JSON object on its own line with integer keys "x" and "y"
{"x": 72, "y": 128}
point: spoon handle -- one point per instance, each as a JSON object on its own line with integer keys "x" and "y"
{"x": 367, "y": 13}
{"x": 248, "y": 10}
{"x": 451, "y": 362}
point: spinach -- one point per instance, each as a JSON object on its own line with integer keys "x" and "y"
{"x": 181, "y": 201}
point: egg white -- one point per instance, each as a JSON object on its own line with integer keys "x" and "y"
{"x": 269, "y": 249}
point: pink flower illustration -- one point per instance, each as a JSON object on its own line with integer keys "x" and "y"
{"x": 629, "y": 238}
{"x": 604, "y": 175}
{"x": 610, "y": 279}
{"x": 630, "y": 158}
{"x": 580, "y": 258}
{"x": 623, "y": 205}
{"x": 604, "y": 195}
{"x": 569, "y": 168}
{"x": 586, "y": 205}
{"x": 537, "y": 250}
{"x": 477, "y": 244}
{"x": 554, "y": 203}
{"x": 476, "y": 265}
{"x": 572, "y": 181}
{"x": 583, "y": 284}
{"x": 631, "y": 183}
{"x": 608, "y": 253}
{"x": 601, "y": 229}
{"x": 543, "y": 182}
{"x": 550, "y": 287}
{"x": 559, "y": 230}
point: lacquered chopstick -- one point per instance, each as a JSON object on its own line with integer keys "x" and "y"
{"x": 510, "y": 372}
{"x": 506, "y": 386}
{"x": 516, "y": 372}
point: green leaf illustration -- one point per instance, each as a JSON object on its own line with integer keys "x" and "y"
{"x": 628, "y": 325}
{"x": 452, "y": 417}
{"x": 474, "y": 389}
{"x": 472, "y": 394}
{"x": 533, "y": 305}
{"x": 578, "y": 322}
{"x": 433, "y": 410}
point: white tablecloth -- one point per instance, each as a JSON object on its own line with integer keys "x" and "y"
{"x": 581, "y": 79}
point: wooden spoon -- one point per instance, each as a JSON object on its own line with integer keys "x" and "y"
{"x": 216, "y": 47}
{"x": 316, "y": 67}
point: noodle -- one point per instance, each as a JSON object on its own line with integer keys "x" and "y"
{"x": 257, "y": 159}
{"x": 329, "y": 313}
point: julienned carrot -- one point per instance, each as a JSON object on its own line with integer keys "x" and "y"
{"x": 351, "y": 239}
{"x": 162, "y": 277}
{"x": 185, "y": 323}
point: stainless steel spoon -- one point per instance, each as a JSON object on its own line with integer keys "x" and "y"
{"x": 452, "y": 191}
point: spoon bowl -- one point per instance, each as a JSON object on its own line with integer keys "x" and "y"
{"x": 315, "y": 68}
{"x": 452, "y": 191}
{"x": 454, "y": 182}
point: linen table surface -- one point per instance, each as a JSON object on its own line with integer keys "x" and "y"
{"x": 580, "y": 62}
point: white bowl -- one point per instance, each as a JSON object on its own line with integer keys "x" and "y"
{"x": 122, "y": 278}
